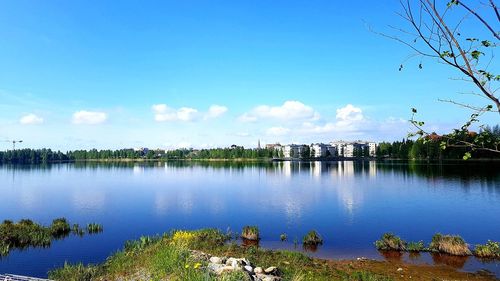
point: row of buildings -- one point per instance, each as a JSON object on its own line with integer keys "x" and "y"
{"x": 321, "y": 150}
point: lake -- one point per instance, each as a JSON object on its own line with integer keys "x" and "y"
{"x": 351, "y": 204}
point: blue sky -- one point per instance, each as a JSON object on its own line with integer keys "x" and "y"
{"x": 113, "y": 74}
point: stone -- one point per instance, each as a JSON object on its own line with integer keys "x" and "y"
{"x": 270, "y": 270}
{"x": 248, "y": 268}
{"x": 400, "y": 269}
{"x": 214, "y": 267}
{"x": 216, "y": 260}
{"x": 264, "y": 277}
{"x": 224, "y": 269}
{"x": 258, "y": 270}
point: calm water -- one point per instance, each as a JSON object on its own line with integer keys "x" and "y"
{"x": 350, "y": 203}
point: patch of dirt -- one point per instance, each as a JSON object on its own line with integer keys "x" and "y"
{"x": 404, "y": 271}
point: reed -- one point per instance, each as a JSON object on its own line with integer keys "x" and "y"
{"x": 489, "y": 250}
{"x": 250, "y": 233}
{"x": 390, "y": 242}
{"x": 449, "y": 244}
{"x": 94, "y": 228}
{"x": 312, "y": 238}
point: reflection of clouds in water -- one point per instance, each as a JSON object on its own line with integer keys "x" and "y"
{"x": 351, "y": 198}
{"x": 216, "y": 205}
{"x": 185, "y": 202}
{"x": 162, "y": 202}
{"x": 293, "y": 210}
{"x": 88, "y": 200}
{"x": 29, "y": 199}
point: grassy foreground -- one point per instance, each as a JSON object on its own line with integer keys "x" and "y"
{"x": 182, "y": 255}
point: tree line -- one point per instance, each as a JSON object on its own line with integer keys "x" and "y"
{"x": 433, "y": 147}
{"x": 436, "y": 147}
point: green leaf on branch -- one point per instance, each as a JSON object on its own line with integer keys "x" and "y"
{"x": 475, "y": 54}
{"x": 467, "y": 156}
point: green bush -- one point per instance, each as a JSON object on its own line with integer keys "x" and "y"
{"x": 77, "y": 272}
{"x": 250, "y": 233}
{"x": 415, "y": 246}
{"x": 390, "y": 242}
{"x": 489, "y": 250}
{"x": 449, "y": 244}
{"x": 312, "y": 238}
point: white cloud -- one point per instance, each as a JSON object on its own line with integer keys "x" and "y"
{"x": 164, "y": 113}
{"x": 89, "y": 117}
{"x": 277, "y": 131}
{"x": 246, "y": 117}
{"x": 215, "y": 111}
{"x": 349, "y": 113}
{"x": 31, "y": 119}
{"x": 289, "y": 110}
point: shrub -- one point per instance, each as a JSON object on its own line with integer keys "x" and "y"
{"x": 60, "y": 227}
{"x": 312, "y": 238}
{"x": 94, "y": 228}
{"x": 489, "y": 250}
{"x": 250, "y": 233}
{"x": 283, "y": 237}
{"x": 390, "y": 242}
{"x": 77, "y": 272}
{"x": 415, "y": 246}
{"x": 449, "y": 244}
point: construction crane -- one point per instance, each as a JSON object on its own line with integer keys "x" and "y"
{"x": 13, "y": 143}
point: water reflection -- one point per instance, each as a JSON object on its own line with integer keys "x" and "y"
{"x": 457, "y": 262}
{"x": 350, "y": 203}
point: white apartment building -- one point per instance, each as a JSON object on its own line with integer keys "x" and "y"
{"x": 318, "y": 150}
{"x": 291, "y": 151}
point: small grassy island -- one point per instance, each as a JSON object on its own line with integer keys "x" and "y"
{"x": 453, "y": 245}
{"x": 209, "y": 254}
{"x": 26, "y": 233}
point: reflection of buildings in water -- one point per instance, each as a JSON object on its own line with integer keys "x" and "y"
{"x": 137, "y": 169}
{"x": 372, "y": 168}
{"x": 89, "y": 200}
{"x": 345, "y": 168}
{"x": 287, "y": 168}
{"x": 316, "y": 168}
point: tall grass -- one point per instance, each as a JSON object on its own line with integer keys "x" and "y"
{"x": 449, "y": 244}
{"x": 489, "y": 250}
{"x": 250, "y": 233}
{"x": 312, "y": 238}
{"x": 390, "y": 242}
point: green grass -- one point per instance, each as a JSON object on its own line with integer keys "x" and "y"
{"x": 250, "y": 233}
{"x": 449, "y": 244}
{"x": 365, "y": 276}
{"x": 416, "y": 246}
{"x": 390, "y": 242}
{"x": 312, "y": 238}
{"x": 283, "y": 237}
{"x": 94, "y": 228}
{"x": 170, "y": 257}
{"x": 489, "y": 250}
{"x": 26, "y": 233}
